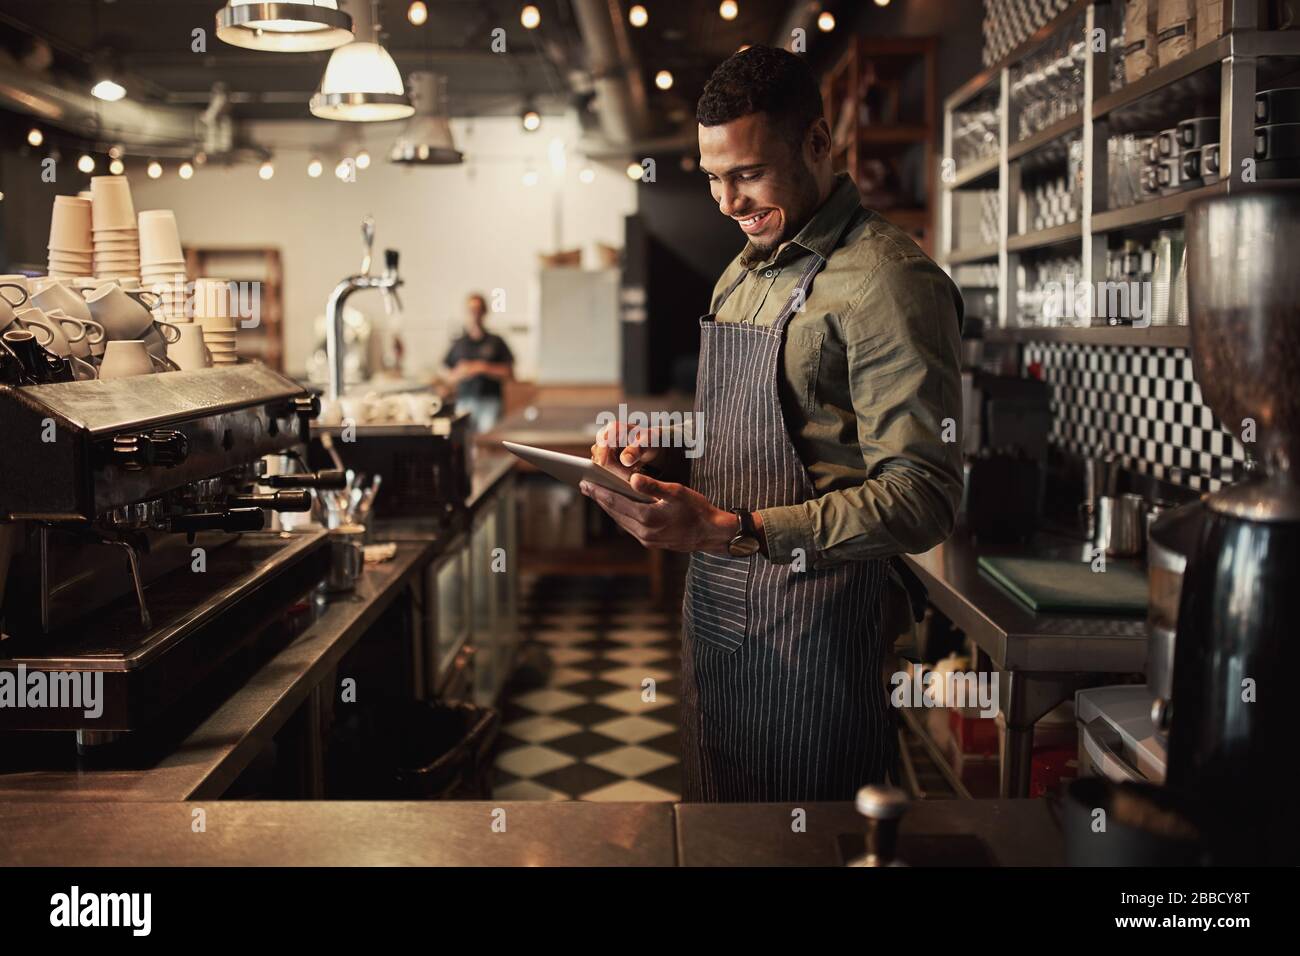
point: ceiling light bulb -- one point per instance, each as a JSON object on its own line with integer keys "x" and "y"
{"x": 116, "y": 152}
{"x": 664, "y": 80}
{"x": 35, "y": 137}
{"x": 826, "y": 21}
{"x": 638, "y": 16}
{"x": 315, "y": 168}
{"x": 344, "y": 169}
{"x": 117, "y": 167}
{"x": 108, "y": 90}
{"x": 532, "y": 120}
{"x": 530, "y": 178}
{"x": 266, "y": 170}
{"x": 185, "y": 171}
{"x": 417, "y": 13}
{"x": 587, "y": 176}
{"x": 530, "y": 17}
{"x": 363, "y": 159}
{"x": 634, "y": 171}
{"x": 729, "y": 9}
{"x": 882, "y": 3}
{"x": 154, "y": 169}
{"x": 86, "y": 163}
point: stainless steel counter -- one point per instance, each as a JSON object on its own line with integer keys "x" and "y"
{"x": 1042, "y": 659}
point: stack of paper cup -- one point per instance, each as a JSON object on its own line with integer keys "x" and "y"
{"x": 212, "y": 310}
{"x": 116, "y": 238}
{"x": 70, "y": 249}
{"x": 162, "y": 264}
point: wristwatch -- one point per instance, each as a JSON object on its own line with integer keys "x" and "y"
{"x": 746, "y": 541}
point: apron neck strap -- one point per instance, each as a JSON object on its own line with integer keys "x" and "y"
{"x": 799, "y": 295}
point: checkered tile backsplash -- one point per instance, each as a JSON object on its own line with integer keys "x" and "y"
{"x": 1141, "y": 403}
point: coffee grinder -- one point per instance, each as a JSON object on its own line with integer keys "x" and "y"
{"x": 1232, "y": 747}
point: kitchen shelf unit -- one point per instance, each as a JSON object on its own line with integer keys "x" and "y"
{"x": 1227, "y": 71}
{"x": 893, "y": 64}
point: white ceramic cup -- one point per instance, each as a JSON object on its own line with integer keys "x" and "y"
{"x": 124, "y": 358}
{"x": 122, "y": 316}
{"x": 189, "y": 352}
{"x": 63, "y": 330}
{"x": 9, "y": 292}
{"x": 56, "y": 295}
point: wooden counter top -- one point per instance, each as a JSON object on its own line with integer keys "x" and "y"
{"x": 257, "y": 833}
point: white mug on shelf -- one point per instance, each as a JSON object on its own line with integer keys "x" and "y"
{"x": 189, "y": 352}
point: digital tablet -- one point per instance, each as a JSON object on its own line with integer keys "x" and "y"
{"x": 571, "y": 469}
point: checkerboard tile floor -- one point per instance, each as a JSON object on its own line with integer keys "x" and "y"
{"x": 589, "y": 732}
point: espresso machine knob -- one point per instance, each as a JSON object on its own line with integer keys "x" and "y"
{"x": 163, "y": 447}
{"x": 883, "y": 806}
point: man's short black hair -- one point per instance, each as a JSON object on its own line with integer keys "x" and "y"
{"x": 763, "y": 79}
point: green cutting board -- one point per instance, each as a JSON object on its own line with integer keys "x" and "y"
{"x": 1055, "y": 586}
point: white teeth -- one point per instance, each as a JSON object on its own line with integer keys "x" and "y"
{"x": 752, "y": 219}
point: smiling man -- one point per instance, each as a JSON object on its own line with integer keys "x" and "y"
{"x": 828, "y": 381}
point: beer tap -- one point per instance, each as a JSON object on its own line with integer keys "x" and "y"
{"x": 388, "y": 283}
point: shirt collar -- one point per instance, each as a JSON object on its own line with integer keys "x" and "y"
{"x": 821, "y": 233}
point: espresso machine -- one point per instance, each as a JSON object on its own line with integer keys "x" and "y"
{"x": 1231, "y": 726}
{"x": 131, "y": 534}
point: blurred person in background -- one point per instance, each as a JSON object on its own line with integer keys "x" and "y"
{"x": 479, "y": 363}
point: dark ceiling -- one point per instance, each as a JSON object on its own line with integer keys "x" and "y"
{"x": 152, "y": 41}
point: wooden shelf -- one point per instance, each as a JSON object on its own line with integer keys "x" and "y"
{"x": 961, "y": 257}
{"x": 1071, "y": 124}
{"x": 1154, "y": 336}
{"x": 1055, "y": 236}
{"x": 887, "y": 72}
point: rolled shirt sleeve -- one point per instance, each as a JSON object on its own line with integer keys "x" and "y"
{"x": 902, "y": 340}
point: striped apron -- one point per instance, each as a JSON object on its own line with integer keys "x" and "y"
{"x": 783, "y": 694}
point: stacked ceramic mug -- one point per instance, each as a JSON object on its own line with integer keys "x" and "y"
{"x": 71, "y": 254}
{"x": 213, "y": 309}
{"x": 162, "y": 264}
{"x": 116, "y": 237}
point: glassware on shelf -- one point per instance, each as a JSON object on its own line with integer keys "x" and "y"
{"x": 1047, "y": 87}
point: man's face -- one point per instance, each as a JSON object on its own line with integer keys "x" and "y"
{"x": 759, "y": 179}
{"x": 475, "y": 309}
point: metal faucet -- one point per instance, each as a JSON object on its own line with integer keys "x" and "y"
{"x": 387, "y": 283}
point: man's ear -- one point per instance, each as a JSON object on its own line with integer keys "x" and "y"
{"x": 817, "y": 142}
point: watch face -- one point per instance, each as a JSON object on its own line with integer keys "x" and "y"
{"x": 742, "y": 546}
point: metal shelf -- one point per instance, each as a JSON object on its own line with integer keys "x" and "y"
{"x": 961, "y": 257}
{"x": 976, "y": 84}
{"x": 1055, "y": 236}
{"x": 1162, "y": 77}
{"x": 1071, "y": 124}
{"x": 975, "y": 174}
{"x": 1154, "y": 336}
{"x": 1154, "y": 210}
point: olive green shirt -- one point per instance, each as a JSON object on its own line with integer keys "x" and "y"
{"x": 870, "y": 385}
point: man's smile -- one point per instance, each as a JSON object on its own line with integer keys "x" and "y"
{"x": 755, "y": 223}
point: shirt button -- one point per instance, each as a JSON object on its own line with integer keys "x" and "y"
{"x": 768, "y": 274}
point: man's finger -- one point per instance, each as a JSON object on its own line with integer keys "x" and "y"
{"x": 617, "y": 504}
{"x": 655, "y": 489}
